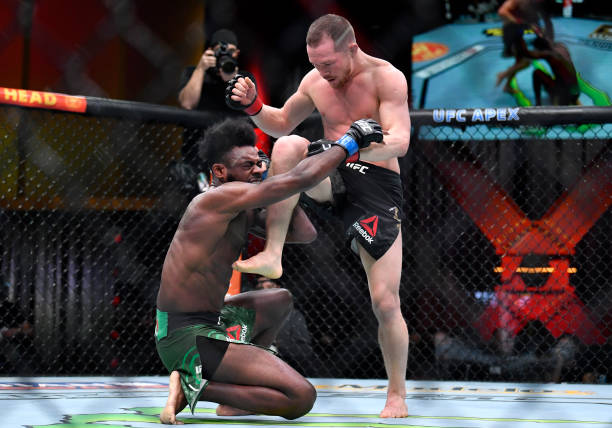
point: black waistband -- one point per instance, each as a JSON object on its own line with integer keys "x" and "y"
{"x": 380, "y": 171}
{"x": 178, "y": 320}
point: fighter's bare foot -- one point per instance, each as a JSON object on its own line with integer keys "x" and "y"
{"x": 225, "y": 410}
{"x": 263, "y": 263}
{"x": 175, "y": 403}
{"x": 395, "y": 407}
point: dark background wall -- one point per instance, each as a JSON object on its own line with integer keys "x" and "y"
{"x": 135, "y": 50}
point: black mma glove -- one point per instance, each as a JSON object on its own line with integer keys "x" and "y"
{"x": 360, "y": 134}
{"x": 322, "y": 145}
{"x": 319, "y": 146}
{"x": 250, "y": 109}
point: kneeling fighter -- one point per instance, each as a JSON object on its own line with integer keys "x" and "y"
{"x": 215, "y": 348}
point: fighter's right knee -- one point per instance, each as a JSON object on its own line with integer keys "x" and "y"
{"x": 291, "y": 148}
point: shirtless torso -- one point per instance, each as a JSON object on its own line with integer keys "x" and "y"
{"x": 360, "y": 97}
{"x": 197, "y": 269}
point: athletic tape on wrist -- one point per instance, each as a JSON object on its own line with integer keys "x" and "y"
{"x": 255, "y": 107}
{"x": 349, "y": 144}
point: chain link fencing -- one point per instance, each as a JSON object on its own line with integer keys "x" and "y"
{"x": 506, "y": 241}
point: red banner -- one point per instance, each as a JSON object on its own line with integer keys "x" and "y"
{"x": 39, "y": 99}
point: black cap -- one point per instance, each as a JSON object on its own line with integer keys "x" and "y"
{"x": 223, "y": 35}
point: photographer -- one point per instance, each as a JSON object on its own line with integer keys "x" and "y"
{"x": 203, "y": 88}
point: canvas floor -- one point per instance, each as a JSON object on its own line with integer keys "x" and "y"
{"x": 137, "y": 402}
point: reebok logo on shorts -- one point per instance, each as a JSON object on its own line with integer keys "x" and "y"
{"x": 370, "y": 225}
{"x": 233, "y": 332}
{"x": 237, "y": 332}
{"x": 367, "y": 228}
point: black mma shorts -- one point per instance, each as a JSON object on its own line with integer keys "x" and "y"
{"x": 369, "y": 200}
{"x": 372, "y": 209}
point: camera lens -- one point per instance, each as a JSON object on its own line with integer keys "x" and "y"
{"x": 227, "y": 64}
{"x": 225, "y": 59}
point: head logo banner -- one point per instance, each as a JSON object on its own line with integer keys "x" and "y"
{"x": 39, "y": 99}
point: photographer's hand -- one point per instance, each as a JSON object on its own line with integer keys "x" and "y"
{"x": 207, "y": 60}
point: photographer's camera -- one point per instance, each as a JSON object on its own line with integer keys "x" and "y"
{"x": 225, "y": 59}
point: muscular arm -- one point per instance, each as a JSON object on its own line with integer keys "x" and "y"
{"x": 394, "y": 118}
{"x": 238, "y": 196}
{"x": 276, "y": 122}
{"x": 281, "y": 121}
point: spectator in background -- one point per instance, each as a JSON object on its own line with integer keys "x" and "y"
{"x": 293, "y": 342}
{"x": 203, "y": 88}
{"x": 16, "y": 338}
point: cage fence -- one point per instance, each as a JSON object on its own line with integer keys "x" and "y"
{"x": 506, "y": 246}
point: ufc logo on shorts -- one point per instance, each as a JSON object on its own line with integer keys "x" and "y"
{"x": 361, "y": 168}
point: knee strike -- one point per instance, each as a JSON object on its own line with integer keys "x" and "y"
{"x": 289, "y": 149}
